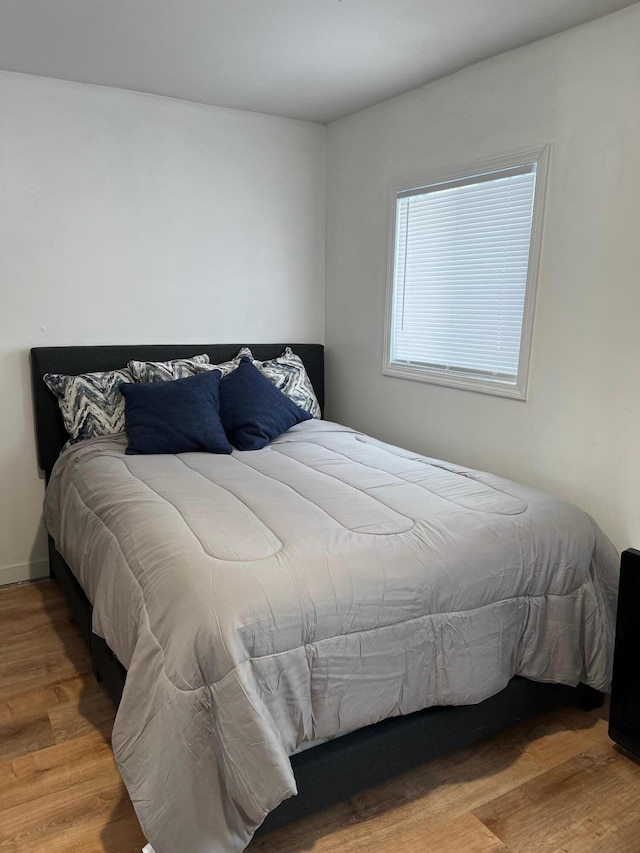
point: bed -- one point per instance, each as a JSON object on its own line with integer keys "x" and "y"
{"x": 290, "y": 677}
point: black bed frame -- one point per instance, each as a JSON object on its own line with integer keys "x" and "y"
{"x": 336, "y": 770}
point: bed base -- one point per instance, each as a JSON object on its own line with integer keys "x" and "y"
{"x": 335, "y": 771}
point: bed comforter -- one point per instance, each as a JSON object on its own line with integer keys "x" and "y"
{"x": 267, "y": 599}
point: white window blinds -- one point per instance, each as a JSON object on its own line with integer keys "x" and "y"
{"x": 460, "y": 274}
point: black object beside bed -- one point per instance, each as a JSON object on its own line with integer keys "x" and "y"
{"x": 336, "y": 770}
{"x": 624, "y": 712}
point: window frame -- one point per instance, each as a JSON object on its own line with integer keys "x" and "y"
{"x": 424, "y": 373}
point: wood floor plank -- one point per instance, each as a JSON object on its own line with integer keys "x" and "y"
{"x": 571, "y": 807}
{"x": 39, "y": 677}
{"x": 90, "y": 711}
{"x": 21, "y": 599}
{"x": 41, "y": 660}
{"x": 54, "y": 770}
{"x": 58, "y": 823}
{"x": 559, "y": 739}
{"x": 31, "y": 607}
{"x": 25, "y": 734}
{"x": 92, "y": 747}
{"x": 463, "y": 834}
{"x": 42, "y": 700}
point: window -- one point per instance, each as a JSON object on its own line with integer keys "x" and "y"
{"x": 462, "y": 284}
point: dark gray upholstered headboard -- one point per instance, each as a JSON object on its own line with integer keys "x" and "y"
{"x": 50, "y": 432}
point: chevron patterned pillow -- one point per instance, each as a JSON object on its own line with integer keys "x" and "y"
{"x": 288, "y": 374}
{"x": 166, "y": 371}
{"x": 225, "y": 367}
{"x": 91, "y": 403}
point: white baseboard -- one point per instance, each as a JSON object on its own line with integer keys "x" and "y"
{"x": 24, "y": 572}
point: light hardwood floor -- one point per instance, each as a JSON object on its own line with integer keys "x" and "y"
{"x": 554, "y": 785}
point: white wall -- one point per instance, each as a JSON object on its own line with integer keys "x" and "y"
{"x": 126, "y": 217}
{"x": 579, "y": 433}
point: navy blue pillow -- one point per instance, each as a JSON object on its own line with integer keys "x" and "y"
{"x": 252, "y": 410}
{"x": 174, "y": 417}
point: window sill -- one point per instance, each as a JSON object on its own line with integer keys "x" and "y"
{"x": 513, "y": 391}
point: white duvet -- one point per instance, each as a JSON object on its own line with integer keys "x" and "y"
{"x": 271, "y": 598}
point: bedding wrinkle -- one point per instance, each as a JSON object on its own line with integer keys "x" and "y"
{"x": 263, "y": 601}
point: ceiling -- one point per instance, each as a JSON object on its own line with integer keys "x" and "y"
{"x": 308, "y": 59}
